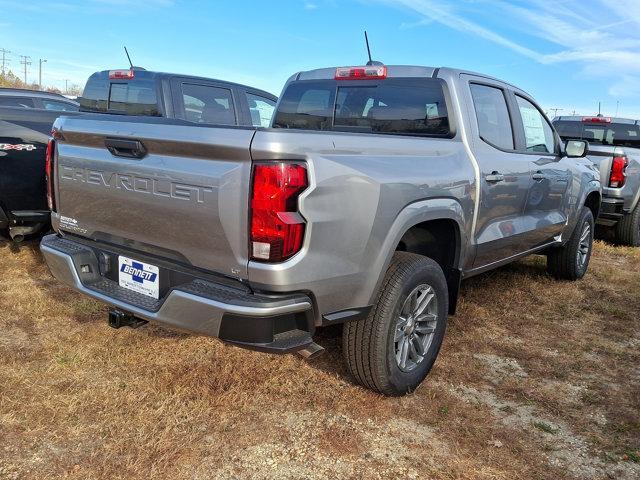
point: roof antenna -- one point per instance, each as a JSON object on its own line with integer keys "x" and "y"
{"x": 370, "y": 62}
{"x": 128, "y": 57}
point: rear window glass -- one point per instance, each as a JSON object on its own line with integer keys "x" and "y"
{"x": 619, "y": 134}
{"x": 134, "y": 97}
{"x": 392, "y": 106}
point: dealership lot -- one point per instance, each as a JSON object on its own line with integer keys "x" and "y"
{"x": 537, "y": 379}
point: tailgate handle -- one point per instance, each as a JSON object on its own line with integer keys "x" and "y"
{"x": 121, "y": 147}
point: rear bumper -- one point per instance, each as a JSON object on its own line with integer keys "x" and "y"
{"x": 611, "y": 211}
{"x": 275, "y": 323}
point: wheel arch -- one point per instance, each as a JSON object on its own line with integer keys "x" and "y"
{"x": 433, "y": 228}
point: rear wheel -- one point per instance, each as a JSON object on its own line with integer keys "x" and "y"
{"x": 393, "y": 349}
{"x": 628, "y": 229}
{"x": 572, "y": 261}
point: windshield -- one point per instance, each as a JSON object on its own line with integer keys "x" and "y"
{"x": 618, "y": 134}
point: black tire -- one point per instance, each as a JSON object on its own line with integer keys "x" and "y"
{"x": 369, "y": 346}
{"x": 628, "y": 229}
{"x": 567, "y": 263}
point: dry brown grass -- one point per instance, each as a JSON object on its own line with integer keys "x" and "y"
{"x": 537, "y": 379}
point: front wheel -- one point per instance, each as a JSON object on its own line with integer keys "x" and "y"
{"x": 571, "y": 261}
{"x": 394, "y": 348}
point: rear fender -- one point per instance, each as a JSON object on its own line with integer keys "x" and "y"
{"x": 414, "y": 214}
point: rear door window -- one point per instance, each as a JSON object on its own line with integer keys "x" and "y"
{"x": 261, "y": 110}
{"x": 208, "y": 104}
{"x": 494, "y": 122}
{"x": 18, "y": 101}
{"x": 400, "y": 106}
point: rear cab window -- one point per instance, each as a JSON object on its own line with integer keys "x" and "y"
{"x": 136, "y": 96}
{"x": 399, "y": 106}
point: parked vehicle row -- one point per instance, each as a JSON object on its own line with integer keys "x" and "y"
{"x": 374, "y": 191}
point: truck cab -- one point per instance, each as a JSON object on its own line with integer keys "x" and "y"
{"x": 199, "y": 100}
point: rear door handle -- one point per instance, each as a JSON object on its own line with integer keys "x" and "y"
{"x": 122, "y": 147}
{"x": 494, "y": 177}
{"x": 539, "y": 176}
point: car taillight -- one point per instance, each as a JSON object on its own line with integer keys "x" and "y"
{"x": 375, "y": 72}
{"x": 277, "y": 229}
{"x": 618, "y": 172}
{"x": 49, "y": 175}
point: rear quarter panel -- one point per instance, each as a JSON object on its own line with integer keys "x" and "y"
{"x": 365, "y": 191}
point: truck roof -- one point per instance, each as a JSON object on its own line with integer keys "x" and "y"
{"x": 152, "y": 75}
{"x": 400, "y": 71}
{"x": 23, "y": 92}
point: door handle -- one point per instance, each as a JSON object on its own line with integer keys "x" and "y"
{"x": 494, "y": 177}
{"x": 539, "y": 176}
{"x": 122, "y": 147}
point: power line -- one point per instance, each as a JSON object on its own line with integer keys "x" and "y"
{"x": 555, "y": 111}
{"x": 26, "y": 61}
{"x": 5, "y": 60}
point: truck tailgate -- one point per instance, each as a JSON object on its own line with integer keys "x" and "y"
{"x": 186, "y": 198}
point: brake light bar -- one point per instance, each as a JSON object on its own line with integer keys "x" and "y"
{"x": 618, "y": 172}
{"x": 375, "y": 72}
{"x": 596, "y": 119}
{"x": 121, "y": 74}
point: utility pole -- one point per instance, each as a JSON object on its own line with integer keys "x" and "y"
{"x": 617, "y": 107}
{"x": 40, "y": 73}
{"x": 66, "y": 85}
{"x": 26, "y": 61}
{"x": 5, "y": 60}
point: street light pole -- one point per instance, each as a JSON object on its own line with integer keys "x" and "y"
{"x": 40, "y": 72}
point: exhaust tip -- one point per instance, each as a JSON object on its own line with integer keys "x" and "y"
{"x": 311, "y": 351}
{"x": 17, "y": 238}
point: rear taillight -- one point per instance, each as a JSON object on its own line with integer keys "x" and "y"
{"x": 49, "y": 176}
{"x": 618, "y": 172}
{"x": 277, "y": 228}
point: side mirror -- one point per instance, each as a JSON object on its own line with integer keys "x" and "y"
{"x": 576, "y": 148}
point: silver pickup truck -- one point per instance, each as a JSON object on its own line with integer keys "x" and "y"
{"x": 375, "y": 191}
{"x": 614, "y": 147}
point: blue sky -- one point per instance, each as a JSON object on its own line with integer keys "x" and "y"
{"x": 568, "y": 54}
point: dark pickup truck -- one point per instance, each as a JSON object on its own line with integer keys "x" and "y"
{"x": 26, "y": 117}
{"x": 25, "y": 125}
{"x": 141, "y": 92}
